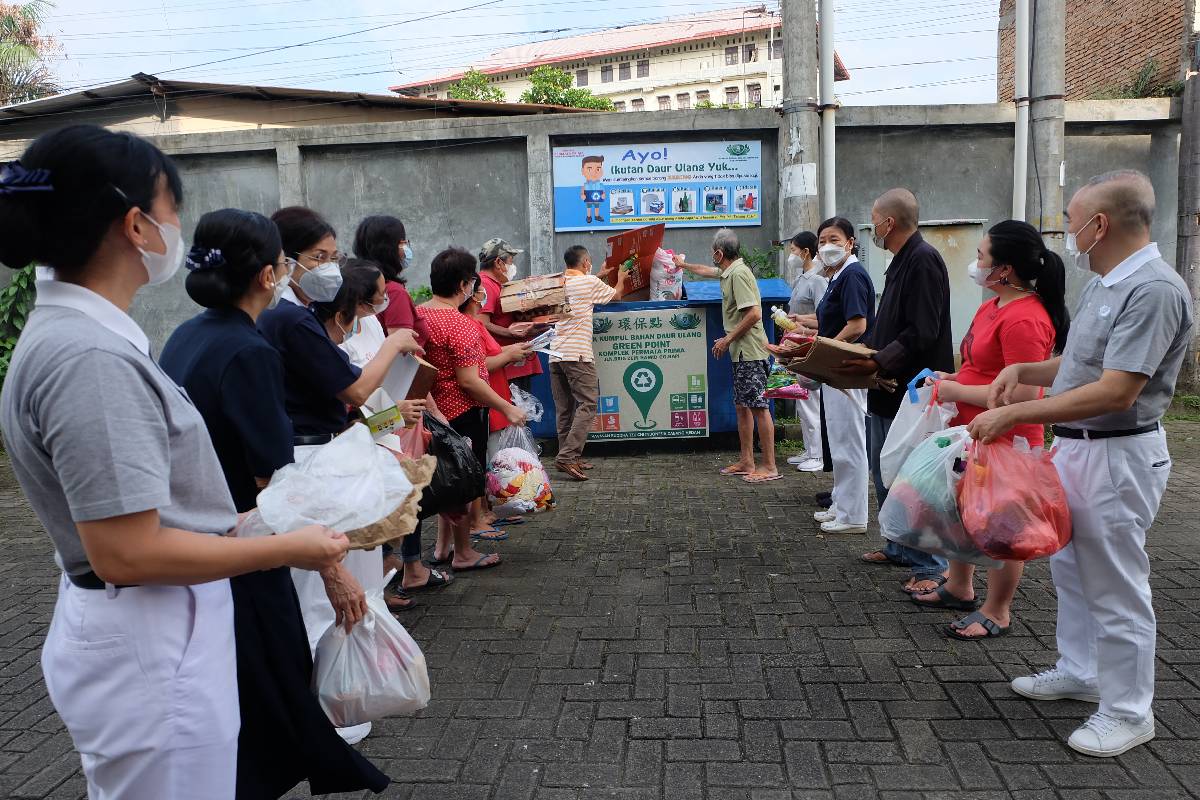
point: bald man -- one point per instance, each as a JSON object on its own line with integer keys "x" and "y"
{"x": 911, "y": 333}
{"x": 1108, "y": 393}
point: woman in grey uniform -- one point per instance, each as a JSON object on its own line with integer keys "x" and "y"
{"x": 139, "y": 660}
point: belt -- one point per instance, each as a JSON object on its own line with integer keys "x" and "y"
{"x": 316, "y": 438}
{"x": 90, "y": 580}
{"x": 1083, "y": 433}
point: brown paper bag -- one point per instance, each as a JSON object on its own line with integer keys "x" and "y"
{"x": 821, "y": 358}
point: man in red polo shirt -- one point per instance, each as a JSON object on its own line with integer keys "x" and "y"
{"x": 497, "y": 266}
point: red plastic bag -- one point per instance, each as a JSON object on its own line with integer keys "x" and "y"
{"x": 1012, "y": 501}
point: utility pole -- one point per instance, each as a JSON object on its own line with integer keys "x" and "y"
{"x": 1188, "y": 247}
{"x": 798, "y": 144}
{"x": 1047, "y": 80}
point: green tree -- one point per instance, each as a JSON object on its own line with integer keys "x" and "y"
{"x": 1150, "y": 81}
{"x": 474, "y": 85}
{"x": 25, "y": 73}
{"x": 552, "y": 86}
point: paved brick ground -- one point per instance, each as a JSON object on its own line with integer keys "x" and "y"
{"x": 671, "y": 635}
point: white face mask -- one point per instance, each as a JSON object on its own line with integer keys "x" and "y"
{"x": 980, "y": 275}
{"x": 795, "y": 263}
{"x": 1083, "y": 261}
{"x": 832, "y": 254}
{"x": 510, "y": 270}
{"x": 876, "y": 239}
{"x": 321, "y": 283}
{"x": 161, "y": 267}
{"x": 277, "y": 290}
{"x": 355, "y": 327}
{"x": 382, "y": 307}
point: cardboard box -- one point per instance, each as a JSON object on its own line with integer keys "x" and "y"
{"x": 639, "y": 245}
{"x": 535, "y": 292}
{"x": 823, "y": 356}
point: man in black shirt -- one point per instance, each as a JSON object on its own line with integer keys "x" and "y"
{"x": 911, "y": 333}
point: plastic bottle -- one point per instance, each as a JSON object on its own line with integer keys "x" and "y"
{"x": 781, "y": 319}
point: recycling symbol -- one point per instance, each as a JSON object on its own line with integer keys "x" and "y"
{"x": 643, "y": 380}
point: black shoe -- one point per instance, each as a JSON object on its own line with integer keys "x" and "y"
{"x": 824, "y": 499}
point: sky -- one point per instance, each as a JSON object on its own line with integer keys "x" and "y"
{"x": 902, "y": 52}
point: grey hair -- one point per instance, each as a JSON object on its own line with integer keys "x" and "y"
{"x": 1126, "y": 195}
{"x": 726, "y": 242}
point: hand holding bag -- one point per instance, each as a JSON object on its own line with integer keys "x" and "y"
{"x": 920, "y": 417}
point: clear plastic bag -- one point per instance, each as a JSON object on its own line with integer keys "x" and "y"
{"x": 512, "y": 436}
{"x": 526, "y": 402}
{"x": 1013, "y": 503}
{"x": 921, "y": 510}
{"x": 920, "y": 416}
{"x": 518, "y": 483}
{"x": 347, "y": 484}
{"x": 374, "y": 671}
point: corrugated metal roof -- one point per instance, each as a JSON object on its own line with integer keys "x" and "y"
{"x": 142, "y": 85}
{"x": 707, "y": 25}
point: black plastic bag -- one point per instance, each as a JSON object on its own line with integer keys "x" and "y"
{"x": 458, "y": 478}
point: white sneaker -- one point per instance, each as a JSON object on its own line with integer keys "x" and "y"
{"x": 1104, "y": 736}
{"x": 797, "y": 459}
{"x": 824, "y": 516}
{"x": 811, "y": 465}
{"x": 842, "y": 527}
{"x": 1054, "y": 684}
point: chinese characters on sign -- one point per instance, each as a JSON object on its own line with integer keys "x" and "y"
{"x": 652, "y": 367}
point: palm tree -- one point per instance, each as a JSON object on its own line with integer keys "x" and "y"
{"x": 24, "y": 72}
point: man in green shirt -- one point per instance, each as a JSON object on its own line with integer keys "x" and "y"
{"x": 746, "y": 342}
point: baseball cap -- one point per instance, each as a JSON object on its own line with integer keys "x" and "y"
{"x": 494, "y": 248}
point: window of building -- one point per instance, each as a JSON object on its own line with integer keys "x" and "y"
{"x": 774, "y": 49}
{"x": 749, "y": 53}
{"x": 619, "y": 105}
{"x": 606, "y": 74}
{"x": 754, "y": 91}
{"x": 731, "y": 95}
{"x": 431, "y": 96}
{"x": 777, "y": 88}
{"x": 683, "y": 101}
{"x": 623, "y": 70}
{"x": 731, "y": 56}
{"x": 664, "y": 102}
{"x": 639, "y": 104}
{"x": 702, "y": 96}
{"x": 581, "y": 77}
{"x": 643, "y": 68}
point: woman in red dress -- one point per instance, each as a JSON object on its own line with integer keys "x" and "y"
{"x": 1026, "y": 321}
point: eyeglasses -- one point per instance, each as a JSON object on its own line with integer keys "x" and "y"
{"x": 289, "y": 264}
{"x": 321, "y": 259}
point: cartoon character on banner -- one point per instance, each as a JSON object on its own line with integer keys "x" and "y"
{"x": 592, "y": 193}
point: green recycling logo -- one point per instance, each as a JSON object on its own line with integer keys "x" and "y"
{"x": 737, "y": 149}
{"x": 643, "y": 380}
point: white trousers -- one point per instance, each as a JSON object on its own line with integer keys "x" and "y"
{"x": 146, "y": 682}
{"x": 367, "y": 568}
{"x": 1106, "y": 624}
{"x": 809, "y": 412}
{"x": 846, "y": 425}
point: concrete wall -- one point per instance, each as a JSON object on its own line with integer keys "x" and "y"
{"x": 463, "y": 181}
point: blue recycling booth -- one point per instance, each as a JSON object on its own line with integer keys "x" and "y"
{"x": 700, "y": 296}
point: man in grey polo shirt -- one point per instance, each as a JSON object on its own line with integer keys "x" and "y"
{"x": 1108, "y": 393}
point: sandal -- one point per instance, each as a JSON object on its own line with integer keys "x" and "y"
{"x": 444, "y": 560}
{"x": 397, "y": 600}
{"x": 573, "y": 470}
{"x": 938, "y": 580}
{"x": 761, "y": 477}
{"x": 884, "y": 560}
{"x": 585, "y": 465}
{"x": 436, "y": 580}
{"x": 992, "y": 630}
{"x": 508, "y": 522}
{"x": 727, "y": 471}
{"x": 947, "y": 600}
{"x": 492, "y": 534}
{"x": 479, "y": 563}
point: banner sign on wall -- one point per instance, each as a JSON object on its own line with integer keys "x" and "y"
{"x": 653, "y": 373}
{"x": 685, "y": 185}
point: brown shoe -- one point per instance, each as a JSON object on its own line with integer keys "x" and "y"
{"x": 585, "y": 465}
{"x": 573, "y": 470}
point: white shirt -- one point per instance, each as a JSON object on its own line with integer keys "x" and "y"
{"x": 52, "y": 292}
{"x": 1132, "y": 264}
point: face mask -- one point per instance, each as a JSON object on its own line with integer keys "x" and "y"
{"x": 832, "y": 254}
{"x": 510, "y": 270}
{"x": 876, "y": 239}
{"x": 382, "y": 307}
{"x": 1083, "y": 261}
{"x": 407, "y": 258}
{"x": 483, "y": 302}
{"x": 980, "y": 275}
{"x": 161, "y": 267}
{"x": 277, "y": 289}
{"x": 716, "y": 259}
{"x": 322, "y": 283}
{"x": 354, "y": 329}
{"x": 795, "y": 263}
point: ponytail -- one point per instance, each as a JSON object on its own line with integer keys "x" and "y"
{"x": 1051, "y": 287}
{"x": 1019, "y": 245}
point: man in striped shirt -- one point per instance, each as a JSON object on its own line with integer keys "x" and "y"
{"x": 573, "y": 371}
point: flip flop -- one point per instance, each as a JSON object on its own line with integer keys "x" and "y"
{"x": 991, "y": 629}
{"x": 508, "y": 522}
{"x": 756, "y": 478}
{"x": 479, "y": 564}
{"x": 938, "y": 580}
{"x": 489, "y": 535}
{"x": 732, "y": 471}
{"x": 441, "y": 562}
{"x": 572, "y": 470}
{"x": 585, "y": 465}
{"x": 879, "y": 562}
{"x": 436, "y": 580}
{"x": 946, "y": 600}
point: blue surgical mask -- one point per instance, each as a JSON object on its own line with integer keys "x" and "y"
{"x": 408, "y": 254}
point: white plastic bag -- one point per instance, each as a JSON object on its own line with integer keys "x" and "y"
{"x": 921, "y": 510}
{"x": 375, "y": 671}
{"x": 920, "y": 415}
{"x": 347, "y": 484}
{"x": 666, "y": 279}
{"x": 526, "y": 402}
